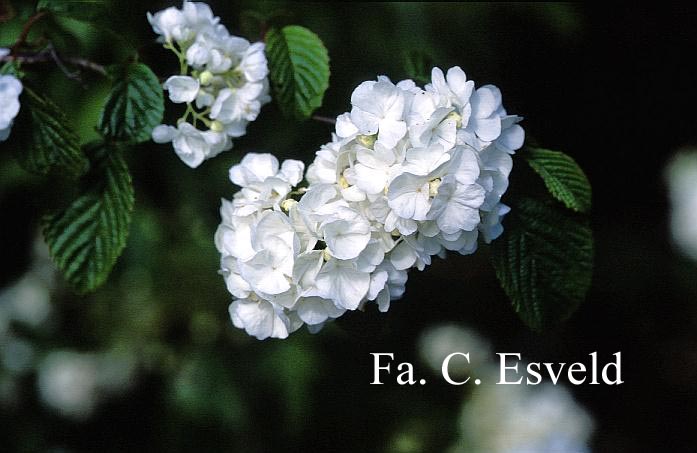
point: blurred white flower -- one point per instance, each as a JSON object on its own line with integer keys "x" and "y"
{"x": 438, "y": 342}
{"x": 27, "y": 301}
{"x": 74, "y": 383}
{"x": 67, "y": 383}
{"x": 17, "y": 355}
{"x": 523, "y": 419}
{"x": 681, "y": 176}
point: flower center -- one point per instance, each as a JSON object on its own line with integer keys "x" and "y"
{"x": 367, "y": 140}
{"x": 433, "y": 187}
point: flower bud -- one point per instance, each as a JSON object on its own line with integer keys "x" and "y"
{"x": 453, "y": 116}
{"x": 326, "y": 255}
{"x": 367, "y": 140}
{"x": 433, "y": 187}
{"x": 288, "y": 204}
{"x": 206, "y": 77}
{"x": 217, "y": 126}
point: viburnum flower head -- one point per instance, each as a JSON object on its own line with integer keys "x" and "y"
{"x": 410, "y": 173}
{"x": 223, "y": 81}
{"x": 10, "y": 89}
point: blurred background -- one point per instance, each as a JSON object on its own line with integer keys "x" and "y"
{"x": 151, "y": 360}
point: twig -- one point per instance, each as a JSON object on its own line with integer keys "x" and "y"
{"x": 51, "y": 56}
{"x": 22, "y": 39}
{"x": 71, "y": 75}
{"x": 324, "y": 119}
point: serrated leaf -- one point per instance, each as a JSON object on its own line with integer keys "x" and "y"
{"x": 564, "y": 179}
{"x": 48, "y": 142}
{"x": 134, "y": 106}
{"x": 544, "y": 261}
{"x": 84, "y": 10}
{"x": 87, "y": 237}
{"x": 298, "y": 69}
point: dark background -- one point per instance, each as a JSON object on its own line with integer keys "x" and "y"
{"x": 614, "y": 86}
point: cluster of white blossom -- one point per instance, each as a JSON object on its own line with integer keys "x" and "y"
{"x": 223, "y": 81}
{"x": 10, "y": 89}
{"x": 410, "y": 173}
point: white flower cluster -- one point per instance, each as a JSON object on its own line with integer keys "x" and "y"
{"x": 10, "y": 89}
{"x": 223, "y": 81}
{"x": 410, "y": 173}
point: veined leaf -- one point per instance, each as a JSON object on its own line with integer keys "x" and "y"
{"x": 544, "y": 261}
{"x": 87, "y": 237}
{"x": 135, "y": 104}
{"x": 47, "y": 140}
{"x": 564, "y": 179}
{"x": 298, "y": 68}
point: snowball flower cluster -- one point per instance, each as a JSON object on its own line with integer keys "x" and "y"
{"x": 410, "y": 173}
{"x": 223, "y": 82}
{"x": 10, "y": 89}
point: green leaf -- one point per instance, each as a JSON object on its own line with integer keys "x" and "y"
{"x": 87, "y": 237}
{"x": 83, "y": 10}
{"x": 298, "y": 68}
{"x": 11, "y": 68}
{"x": 47, "y": 141}
{"x": 564, "y": 179}
{"x": 417, "y": 65}
{"x": 544, "y": 261}
{"x": 135, "y": 104}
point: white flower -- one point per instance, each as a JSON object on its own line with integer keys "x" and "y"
{"x": 456, "y": 207}
{"x": 182, "y": 25}
{"x": 253, "y": 169}
{"x": 681, "y": 177}
{"x": 10, "y": 89}
{"x": 409, "y": 196}
{"x": 484, "y": 123}
{"x": 491, "y": 226}
{"x": 236, "y": 105}
{"x": 191, "y": 145}
{"x": 315, "y": 310}
{"x": 374, "y": 168}
{"x": 168, "y": 23}
{"x": 260, "y": 319}
{"x": 340, "y": 281}
{"x": 182, "y": 88}
{"x": 346, "y": 237}
{"x": 198, "y": 15}
{"x": 253, "y": 63}
{"x": 378, "y": 108}
{"x": 519, "y": 418}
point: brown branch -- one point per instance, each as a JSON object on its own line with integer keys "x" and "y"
{"x": 22, "y": 39}
{"x": 324, "y": 119}
{"x": 52, "y": 57}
